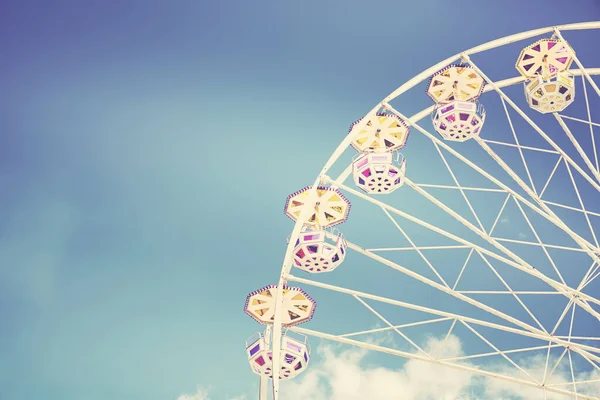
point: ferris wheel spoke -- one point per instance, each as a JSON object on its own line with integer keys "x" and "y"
{"x": 590, "y": 124}
{"x": 415, "y": 248}
{"x": 419, "y": 248}
{"x": 515, "y": 295}
{"x": 578, "y": 147}
{"x": 543, "y": 245}
{"x": 580, "y": 338}
{"x": 539, "y": 242}
{"x": 589, "y": 280}
{"x": 550, "y": 215}
{"x": 585, "y": 213}
{"x": 550, "y": 177}
{"x": 508, "y": 196}
{"x": 572, "y": 374}
{"x": 500, "y": 352}
{"x": 592, "y": 363}
{"x": 512, "y": 129}
{"x": 570, "y": 337}
{"x": 495, "y": 353}
{"x": 519, "y": 146}
{"x": 527, "y": 331}
{"x": 584, "y": 281}
{"x": 519, "y": 292}
{"x": 551, "y": 203}
{"x": 524, "y": 267}
{"x": 556, "y": 364}
{"x": 389, "y": 324}
{"x": 533, "y": 332}
{"x": 464, "y": 196}
{"x": 409, "y": 325}
{"x": 578, "y": 382}
{"x": 462, "y": 270}
{"x": 579, "y": 120}
{"x": 562, "y": 317}
{"x": 571, "y": 322}
{"x": 461, "y": 188}
{"x": 440, "y": 287}
{"x": 544, "y": 212}
{"x": 426, "y": 225}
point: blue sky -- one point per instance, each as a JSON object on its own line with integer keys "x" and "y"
{"x": 146, "y": 150}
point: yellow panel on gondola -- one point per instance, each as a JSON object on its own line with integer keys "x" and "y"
{"x": 383, "y": 132}
{"x": 545, "y": 58}
{"x": 331, "y": 207}
{"x": 455, "y": 82}
{"x": 298, "y": 307}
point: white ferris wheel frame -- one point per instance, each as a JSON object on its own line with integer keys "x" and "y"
{"x": 575, "y": 295}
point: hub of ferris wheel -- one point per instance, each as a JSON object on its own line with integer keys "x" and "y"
{"x": 379, "y": 168}
{"x": 549, "y": 87}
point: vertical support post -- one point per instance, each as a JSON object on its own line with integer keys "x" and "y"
{"x": 263, "y": 388}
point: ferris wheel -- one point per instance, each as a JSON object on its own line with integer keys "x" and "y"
{"x": 482, "y": 226}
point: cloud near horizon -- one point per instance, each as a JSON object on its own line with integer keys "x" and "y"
{"x": 203, "y": 394}
{"x": 345, "y": 373}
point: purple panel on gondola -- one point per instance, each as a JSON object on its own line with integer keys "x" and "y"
{"x": 295, "y": 347}
{"x": 313, "y": 249}
{"x": 254, "y": 350}
{"x": 362, "y": 162}
{"x": 446, "y": 109}
{"x": 312, "y": 236}
{"x": 289, "y": 358}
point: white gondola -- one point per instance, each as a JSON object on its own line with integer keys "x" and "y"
{"x": 294, "y": 355}
{"x": 314, "y": 252}
{"x": 552, "y": 95}
{"x": 377, "y": 173}
{"x": 458, "y": 120}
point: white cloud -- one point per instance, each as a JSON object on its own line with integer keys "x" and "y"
{"x": 522, "y": 235}
{"x": 535, "y": 366}
{"x": 346, "y": 375}
{"x": 343, "y": 376}
{"x": 202, "y": 394}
